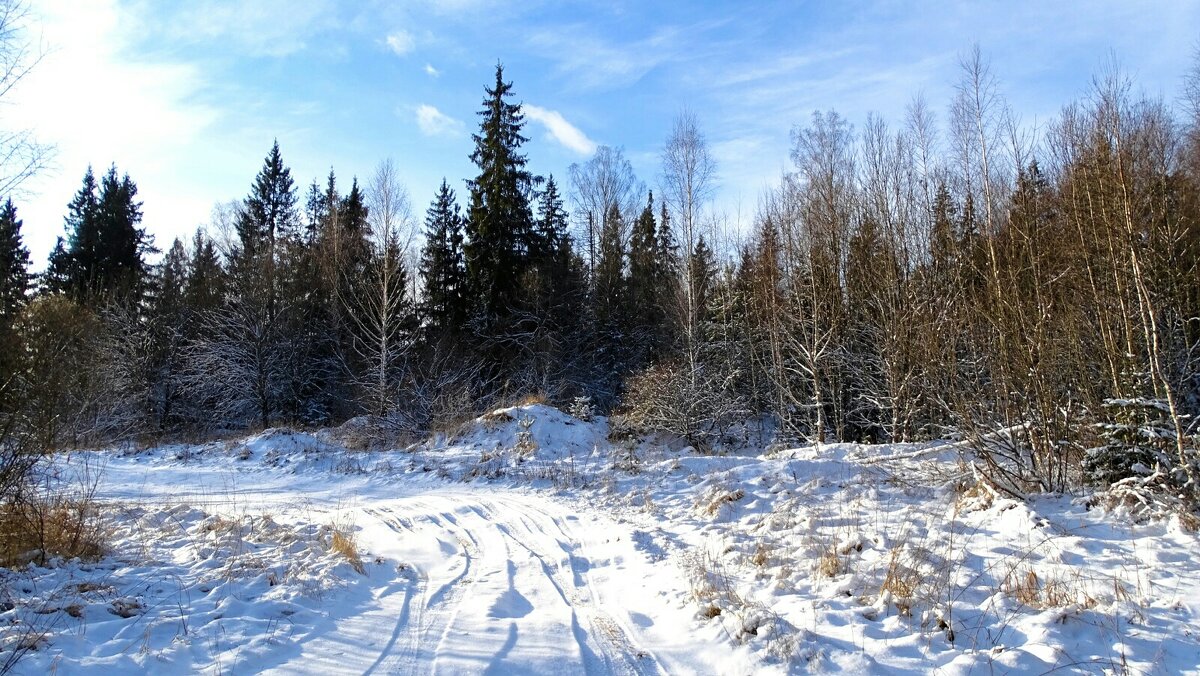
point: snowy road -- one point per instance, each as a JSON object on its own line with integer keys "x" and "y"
{"x": 465, "y": 579}
{"x": 491, "y": 584}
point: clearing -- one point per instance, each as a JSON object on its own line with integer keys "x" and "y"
{"x": 544, "y": 547}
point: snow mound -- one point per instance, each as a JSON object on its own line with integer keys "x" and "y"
{"x": 552, "y": 435}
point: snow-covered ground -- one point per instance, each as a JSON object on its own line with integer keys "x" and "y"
{"x": 558, "y": 551}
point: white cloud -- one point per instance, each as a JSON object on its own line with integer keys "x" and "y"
{"x": 401, "y": 42}
{"x": 434, "y": 122}
{"x": 557, "y": 127}
{"x": 147, "y": 120}
{"x": 431, "y": 71}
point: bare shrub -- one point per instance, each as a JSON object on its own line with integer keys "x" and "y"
{"x": 53, "y": 518}
{"x": 698, "y": 404}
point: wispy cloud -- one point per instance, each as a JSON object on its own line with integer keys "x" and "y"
{"x": 433, "y": 122}
{"x": 262, "y": 28}
{"x": 401, "y": 42}
{"x": 431, "y": 71}
{"x": 566, "y": 134}
{"x": 595, "y": 62}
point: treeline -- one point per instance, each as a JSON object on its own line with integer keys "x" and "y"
{"x": 1035, "y": 293}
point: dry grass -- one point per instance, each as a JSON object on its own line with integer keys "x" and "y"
{"x": 902, "y": 580}
{"x": 830, "y": 564}
{"x": 1049, "y": 590}
{"x": 343, "y": 541}
{"x": 532, "y": 399}
{"x": 714, "y": 499}
{"x": 38, "y": 529}
{"x": 763, "y": 554}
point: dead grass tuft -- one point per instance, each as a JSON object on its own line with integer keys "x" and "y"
{"x": 718, "y": 497}
{"x": 901, "y": 581}
{"x": 1050, "y": 591}
{"x": 532, "y": 399}
{"x": 830, "y": 564}
{"x": 343, "y": 541}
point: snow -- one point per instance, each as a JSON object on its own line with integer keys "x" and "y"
{"x": 486, "y": 551}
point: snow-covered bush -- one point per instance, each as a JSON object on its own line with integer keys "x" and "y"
{"x": 1138, "y": 436}
{"x": 699, "y": 404}
{"x": 526, "y": 445}
{"x": 581, "y": 407}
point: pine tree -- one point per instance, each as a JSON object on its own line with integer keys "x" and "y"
{"x": 499, "y": 222}
{"x": 442, "y": 266}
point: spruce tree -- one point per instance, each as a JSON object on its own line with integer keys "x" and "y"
{"x": 646, "y": 276}
{"x": 268, "y": 217}
{"x": 551, "y": 225}
{"x": 74, "y": 265}
{"x": 315, "y": 211}
{"x": 499, "y": 221}
{"x": 609, "y": 293}
{"x": 104, "y": 248}
{"x": 352, "y": 220}
{"x": 14, "y": 285}
{"x": 14, "y": 266}
{"x": 269, "y": 212}
{"x": 204, "y": 289}
{"x": 122, "y": 242}
{"x": 442, "y": 266}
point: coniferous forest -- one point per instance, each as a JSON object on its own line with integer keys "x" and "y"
{"x": 955, "y": 274}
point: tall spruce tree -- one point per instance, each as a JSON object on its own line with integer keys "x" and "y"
{"x": 609, "y": 293}
{"x": 499, "y": 221}
{"x": 269, "y": 212}
{"x": 268, "y": 216}
{"x": 204, "y": 290}
{"x": 646, "y": 275}
{"x": 122, "y": 242}
{"x": 554, "y": 260}
{"x": 73, "y": 263}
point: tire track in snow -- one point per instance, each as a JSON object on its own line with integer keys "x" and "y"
{"x": 491, "y": 582}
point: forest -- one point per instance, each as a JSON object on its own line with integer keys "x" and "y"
{"x": 1033, "y": 292}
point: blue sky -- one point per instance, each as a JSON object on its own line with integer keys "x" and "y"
{"x": 187, "y": 96}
